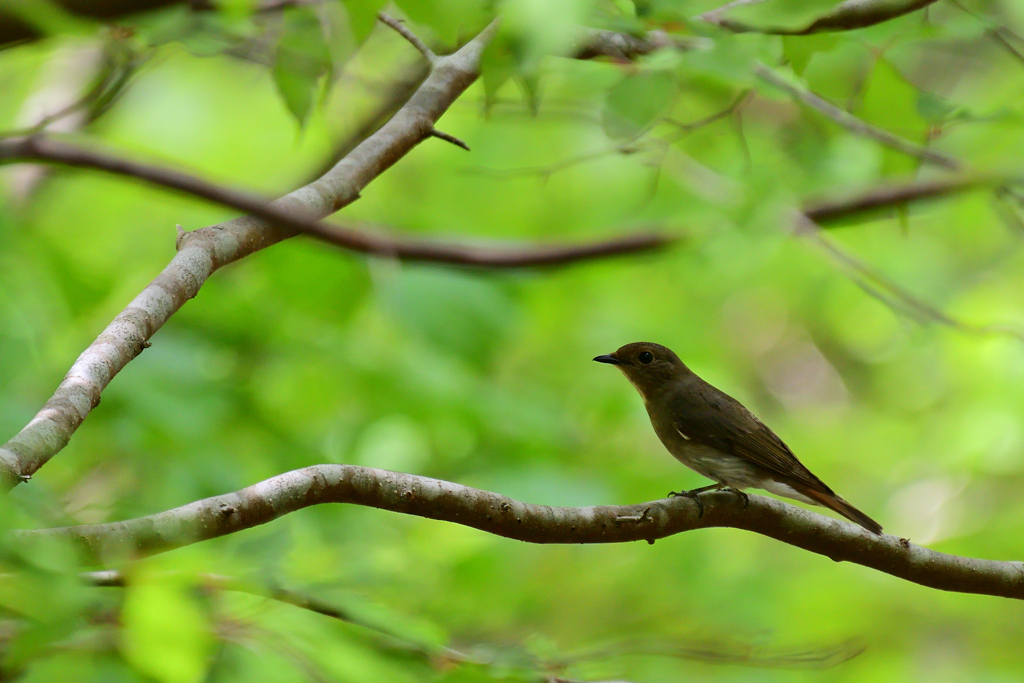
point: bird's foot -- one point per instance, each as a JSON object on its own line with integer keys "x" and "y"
{"x": 741, "y": 494}
{"x": 694, "y": 494}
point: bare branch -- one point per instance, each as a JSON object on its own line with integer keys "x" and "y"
{"x": 404, "y": 31}
{"x": 846, "y": 16}
{"x": 627, "y": 47}
{"x": 853, "y": 124}
{"x": 202, "y": 252}
{"x": 497, "y": 514}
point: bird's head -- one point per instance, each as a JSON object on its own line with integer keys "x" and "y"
{"x": 648, "y": 366}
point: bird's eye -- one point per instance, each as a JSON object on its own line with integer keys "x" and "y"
{"x": 645, "y": 357}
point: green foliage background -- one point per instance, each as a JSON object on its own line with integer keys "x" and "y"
{"x": 305, "y": 354}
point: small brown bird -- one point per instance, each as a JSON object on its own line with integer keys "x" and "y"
{"x": 712, "y": 433}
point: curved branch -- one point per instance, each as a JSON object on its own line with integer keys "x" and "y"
{"x": 846, "y": 16}
{"x": 203, "y": 251}
{"x": 435, "y": 499}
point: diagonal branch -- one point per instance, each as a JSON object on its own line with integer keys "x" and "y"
{"x": 413, "y": 39}
{"x": 889, "y": 292}
{"x": 202, "y": 252}
{"x": 496, "y": 514}
{"x": 852, "y": 123}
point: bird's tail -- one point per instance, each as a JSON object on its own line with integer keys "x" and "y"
{"x": 834, "y": 502}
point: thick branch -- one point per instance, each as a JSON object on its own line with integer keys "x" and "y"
{"x": 202, "y": 252}
{"x": 497, "y": 514}
{"x": 846, "y": 16}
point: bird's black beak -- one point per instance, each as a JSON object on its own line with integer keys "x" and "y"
{"x": 611, "y": 360}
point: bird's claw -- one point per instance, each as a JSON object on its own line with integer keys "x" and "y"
{"x": 741, "y": 494}
{"x": 693, "y": 495}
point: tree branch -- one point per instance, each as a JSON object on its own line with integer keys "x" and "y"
{"x": 496, "y": 514}
{"x": 889, "y": 292}
{"x": 202, "y": 252}
{"x": 846, "y": 16}
{"x": 852, "y": 123}
{"x": 413, "y": 39}
{"x": 39, "y": 148}
{"x": 889, "y": 195}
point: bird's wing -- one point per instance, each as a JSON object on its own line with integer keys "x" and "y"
{"x": 715, "y": 419}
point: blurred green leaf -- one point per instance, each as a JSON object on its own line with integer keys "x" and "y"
{"x": 780, "y": 14}
{"x": 302, "y": 61}
{"x": 166, "y": 633}
{"x": 458, "y": 313}
{"x": 800, "y": 49}
{"x": 636, "y": 102}
{"x": 451, "y": 21}
{"x": 362, "y": 16}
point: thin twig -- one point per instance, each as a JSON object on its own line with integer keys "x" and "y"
{"x": 736, "y": 105}
{"x": 39, "y": 148}
{"x": 824, "y": 657}
{"x": 998, "y": 33}
{"x": 889, "y": 292}
{"x": 853, "y": 124}
{"x": 440, "y": 135}
{"x": 635, "y": 144}
{"x": 111, "y": 578}
{"x": 404, "y": 31}
{"x": 502, "y": 516}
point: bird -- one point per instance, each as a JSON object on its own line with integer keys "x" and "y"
{"x": 714, "y": 434}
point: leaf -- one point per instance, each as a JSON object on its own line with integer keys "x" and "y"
{"x": 781, "y": 14}
{"x": 166, "y": 634}
{"x": 496, "y": 66}
{"x": 891, "y": 102}
{"x": 362, "y": 17}
{"x": 451, "y": 21}
{"x": 800, "y": 49}
{"x": 47, "y": 17}
{"x": 729, "y": 62}
{"x": 458, "y": 313}
{"x": 635, "y": 103}
{"x": 302, "y": 59}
